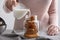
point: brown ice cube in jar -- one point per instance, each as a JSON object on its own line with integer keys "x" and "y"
{"x": 32, "y": 18}
{"x": 31, "y": 27}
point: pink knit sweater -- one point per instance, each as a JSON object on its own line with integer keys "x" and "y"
{"x": 45, "y": 9}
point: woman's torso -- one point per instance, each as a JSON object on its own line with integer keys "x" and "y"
{"x": 37, "y": 7}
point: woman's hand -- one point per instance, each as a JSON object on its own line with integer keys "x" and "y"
{"x": 10, "y": 3}
{"x": 53, "y": 30}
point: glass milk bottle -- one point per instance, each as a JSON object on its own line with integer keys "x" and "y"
{"x": 19, "y": 13}
{"x": 32, "y": 27}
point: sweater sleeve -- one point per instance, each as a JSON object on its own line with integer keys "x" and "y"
{"x": 53, "y": 15}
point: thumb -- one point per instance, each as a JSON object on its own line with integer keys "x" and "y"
{"x": 14, "y": 2}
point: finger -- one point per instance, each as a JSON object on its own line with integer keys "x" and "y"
{"x": 14, "y": 2}
{"x": 8, "y": 4}
{"x": 50, "y": 29}
{"x": 54, "y": 32}
{"x": 17, "y": 0}
{"x": 57, "y": 31}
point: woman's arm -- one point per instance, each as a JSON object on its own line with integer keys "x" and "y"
{"x": 53, "y": 15}
{"x": 53, "y": 28}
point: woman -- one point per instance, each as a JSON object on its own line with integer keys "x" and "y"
{"x": 45, "y": 9}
